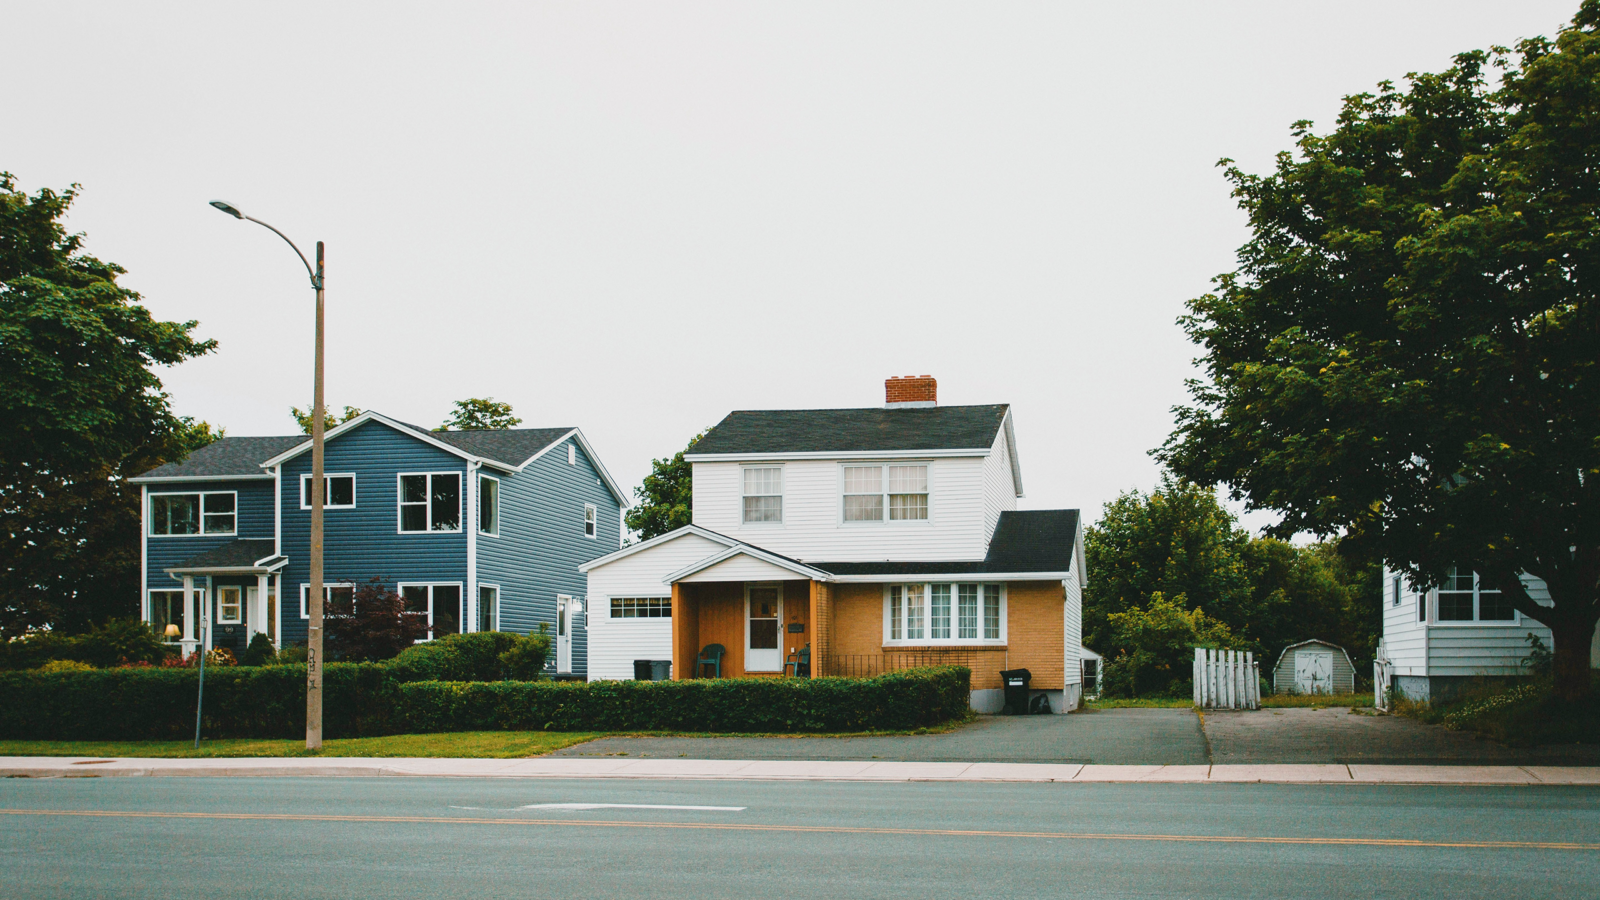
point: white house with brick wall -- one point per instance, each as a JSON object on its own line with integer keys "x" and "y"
{"x": 852, "y": 542}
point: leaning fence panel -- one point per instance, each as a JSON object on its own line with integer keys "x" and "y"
{"x": 1226, "y": 679}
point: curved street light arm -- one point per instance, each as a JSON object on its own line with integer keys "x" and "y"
{"x": 316, "y": 276}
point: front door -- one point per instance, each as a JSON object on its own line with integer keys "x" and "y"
{"x": 763, "y": 616}
{"x": 563, "y": 634}
{"x": 1313, "y": 671}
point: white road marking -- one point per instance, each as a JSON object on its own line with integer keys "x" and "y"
{"x": 630, "y": 806}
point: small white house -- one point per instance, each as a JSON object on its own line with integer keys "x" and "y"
{"x": 1437, "y": 641}
{"x": 1314, "y": 667}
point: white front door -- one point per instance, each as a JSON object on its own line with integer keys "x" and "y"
{"x": 763, "y": 618}
{"x": 1313, "y": 671}
{"x": 563, "y": 634}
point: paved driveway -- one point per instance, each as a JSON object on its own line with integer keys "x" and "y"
{"x": 1132, "y": 737}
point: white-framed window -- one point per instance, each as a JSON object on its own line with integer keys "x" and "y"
{"x": 430, "y": 501}
{"x": 763, "y": 494}
{"x": 488, "y": 607}
{"x": 230, "y": 605}
{"x": 1463, "y": 599}
{"x": 591, "y": 520}
{"x": 203, "y": 512}
{"x": 641, "y": 607}
{"x": 342, "y": 591}
{"x": 1395, "y": 600}
{"x": 944, "y": 613}
{"x": 572, "y": 454}
{"x": 338, "y": 491}
{"x": 885, "y": 492}
{"x": 167, "y": 608}
{"x": 442, "y": 603}
{"x": 488, "y": 505}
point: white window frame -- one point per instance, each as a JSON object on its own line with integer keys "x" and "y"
{"x": 955, "y": 615}
{"x": 238, "y": 607}
{"x": 591, "y": 521}
{"x": 494, "y": 625}
{"x": 305, "y": 490}
{"x": 613, "y": 609}
{"x": 884, "y": 493}
{"x": 572, "y": 454}
{"x": 200, "y": 511}
{"x": 327, "y": 589}
{"x": 400, "y": 504}
{"x": 482, "y": 506}
{"x": 1477, "y": 620}
{"x": 783, "y": 482}
{"x": 400, "y": 589}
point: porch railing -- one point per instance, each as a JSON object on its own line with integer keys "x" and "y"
{"x": 867, "y": 665}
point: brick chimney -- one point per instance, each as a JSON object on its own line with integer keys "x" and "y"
{"x": 910, "y": 392}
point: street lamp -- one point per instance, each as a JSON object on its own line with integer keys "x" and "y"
{"x": 314, "y": 635}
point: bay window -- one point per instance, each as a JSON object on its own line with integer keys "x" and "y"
{"x": 944, "y": 613}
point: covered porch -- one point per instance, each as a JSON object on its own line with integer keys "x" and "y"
{"x": 745, "y": 613}
{"x": 229, "y": 595}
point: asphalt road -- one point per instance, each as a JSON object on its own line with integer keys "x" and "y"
{"x": 445, "y": 838}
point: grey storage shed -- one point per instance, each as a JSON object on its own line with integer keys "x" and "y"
{"x": 1314, "y": 667}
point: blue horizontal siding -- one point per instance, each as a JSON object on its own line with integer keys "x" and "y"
{"x": 254, "y": 511}
{"x": 365, "y": 542}
{"x": 541, "y": 542}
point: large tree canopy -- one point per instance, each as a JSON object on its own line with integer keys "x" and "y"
{"x": 83, "y": 411}
{"x": 666, "y": 498}
{"x": 479, "y": 413}
{"x": 1407, "y": 352}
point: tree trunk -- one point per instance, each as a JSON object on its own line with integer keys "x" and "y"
{"x": 1572, "y": 637}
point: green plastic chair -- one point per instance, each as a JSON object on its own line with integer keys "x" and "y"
{"x": 711, "y": 656}
{"x": 799, "y": 663}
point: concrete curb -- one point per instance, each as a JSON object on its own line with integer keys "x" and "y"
{"x": 785, "y": 770}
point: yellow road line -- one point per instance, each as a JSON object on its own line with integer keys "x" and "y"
{"x": 815, "y": 829}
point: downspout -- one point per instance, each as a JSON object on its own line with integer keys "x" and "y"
{"x": 277, "y": 511}
{"x": 472, "y": 546}
{"x": 144, "y": 553}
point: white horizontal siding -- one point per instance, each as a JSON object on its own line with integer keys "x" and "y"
{"x": 743, "y": 568}
{"x": 999, "y": 488}
{"x": 1403, "y": 635}
{"x": 615, "y": 643}
{"x": 1481, "y": 649}
{"x": 812, "y": 528}
{"x": 1072, "y": 630}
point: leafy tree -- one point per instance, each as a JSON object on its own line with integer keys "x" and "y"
{"x": 1407, "y": 351}
{"x": 1155, "y": 647}
{"x": 666, "y": 499}
{"x": 480, "y": 413}
{"x": 371, "y": 623}
{"x": 84, "y": 410}
{"x": 1179, "y": 541}
{"x": 306, "y": 417}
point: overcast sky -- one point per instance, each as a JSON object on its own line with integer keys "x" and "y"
{"x": 635, "y": 217}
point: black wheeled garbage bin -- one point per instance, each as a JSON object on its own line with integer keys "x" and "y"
{"x": 643, "y": 670}
{"x": 1016, "y": 682}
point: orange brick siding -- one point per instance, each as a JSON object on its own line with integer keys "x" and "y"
{"x": 1035, "y": 633}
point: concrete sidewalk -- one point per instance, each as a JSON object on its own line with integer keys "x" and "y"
{"x": 792, "y": 770}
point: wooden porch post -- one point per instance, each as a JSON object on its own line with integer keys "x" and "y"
{"x": 682, "y": 654}
{"x": 817, "y": 662}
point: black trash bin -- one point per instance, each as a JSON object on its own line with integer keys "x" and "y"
{"x": 643, "y": 670}
{"x": 1016, "y": 682}
{"x": 660, "y": 670}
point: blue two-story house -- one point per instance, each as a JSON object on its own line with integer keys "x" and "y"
{"x": 482, "y": 530}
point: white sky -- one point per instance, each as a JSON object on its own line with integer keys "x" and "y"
{"x": 635, "y": 217}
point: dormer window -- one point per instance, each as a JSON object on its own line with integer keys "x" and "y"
{"x": 763, "y": 494}
{"x": 900, "y": 491}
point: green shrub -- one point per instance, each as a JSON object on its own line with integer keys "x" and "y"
{"x": 362, "y": 699}
{"x": 524, "y": 660}
{"x": 259, "y": 653}
{"x": 65, "y": 665}
{"x": 474, "y": 656}
{"x": 110, "y": 643}
{"x": 290, "y": 655}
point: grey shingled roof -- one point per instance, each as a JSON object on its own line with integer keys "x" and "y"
{"x": 228, "y": 456}
{"x": 1038, "y": 540}
{"x": 853, "y": 430}
{"x": 512, "y": 446}
{"x": 235, "y": 555}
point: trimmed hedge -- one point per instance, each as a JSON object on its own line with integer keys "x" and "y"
{"x": 364, "y": 699}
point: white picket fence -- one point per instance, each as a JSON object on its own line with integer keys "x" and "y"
{"x": 1226, "y": 679}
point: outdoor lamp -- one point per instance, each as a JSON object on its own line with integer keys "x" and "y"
{"x": 172, "y": 631}
{"x": 228, "y": 208}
